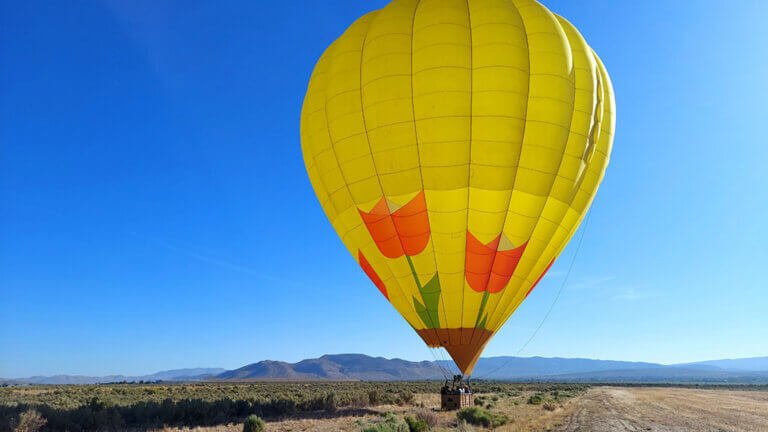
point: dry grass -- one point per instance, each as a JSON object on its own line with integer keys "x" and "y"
{"x": 285, "y": 406}
{"x": 523, "y": 416}
{"x": 602, "y": 409}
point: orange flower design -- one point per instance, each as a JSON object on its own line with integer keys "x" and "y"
{"x": 368, "y": 269}
{"x": 404, "y": 231}
{"x": 489, "y": 267}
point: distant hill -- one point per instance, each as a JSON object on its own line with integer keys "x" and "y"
{"x": 669, "y": 374}
{"x": 182, "y": 374}
{"x": 366, "y": 368}
{"x": 531, "y": 367}
{"x": 754, "y": 364}
{"x": 195, "y": 374}
{"x": 339, "y": 367}
{"x": 362, "y": 367}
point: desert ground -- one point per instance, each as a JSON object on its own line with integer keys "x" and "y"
{"x": 600, "y": 409}
{"x": 385, "y": 407}
{"x": 667, "y": 409}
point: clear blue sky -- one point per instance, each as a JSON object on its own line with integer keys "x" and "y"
{"x": 155, "y": 212}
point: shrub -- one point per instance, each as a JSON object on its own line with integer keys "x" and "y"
{"x": 329, "y": 402}
{"x": 415, "y": 425}
{"x": 481, "y": 417}
{"x": 536, "y": 399}
{"x": 358, "y": 401}
{"x": 30, "y": 421}
{"x": 407, "y": 397}
{"x": 464, "y": 427}
{"x": 429, "y": 417}
{"x": 390, "y": 424}
{"x": 253, "y": 424}
{"x": 374, "y": 397}
{"x": 561, "y": 395}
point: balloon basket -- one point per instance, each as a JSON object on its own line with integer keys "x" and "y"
{"x": 456, "y": 395}
{"x": 449, "y": 402}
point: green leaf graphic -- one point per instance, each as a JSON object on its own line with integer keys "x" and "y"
{"x": 430, "y": 295}
{"x": 478, "y": 322}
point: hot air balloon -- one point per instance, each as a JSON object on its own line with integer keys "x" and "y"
{"x": 455, "y": 146}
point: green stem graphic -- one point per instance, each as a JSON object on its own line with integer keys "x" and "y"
{"x": 413, "y": 270}
{"x": 478, "y": 323}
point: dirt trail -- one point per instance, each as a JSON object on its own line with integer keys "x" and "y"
{"x": 609, "y": 409}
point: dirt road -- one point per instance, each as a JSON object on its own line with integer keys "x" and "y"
{"x": 609, "y": 409}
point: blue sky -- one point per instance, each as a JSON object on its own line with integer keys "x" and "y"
{"x": 155, "y": 212}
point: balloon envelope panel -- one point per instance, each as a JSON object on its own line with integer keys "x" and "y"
{"x": 455, "y": 146}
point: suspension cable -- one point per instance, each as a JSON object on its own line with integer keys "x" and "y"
{"x": 436, "y": 361}
{"x": 552, "y": 306}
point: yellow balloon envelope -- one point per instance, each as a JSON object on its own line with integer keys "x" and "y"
{"x": 455, "y": 146}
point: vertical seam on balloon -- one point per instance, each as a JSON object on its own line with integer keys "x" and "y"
{"x": 520, "y": 153}
{"x": 602, "y": 120}
{"x": 508, "y": 298}
{"x": 608, "y": 99}
{"x": 517, "y": 300}
{"x": 421, "y": 176}
{"x": 378, "y": 179}
{"x": 469, "y": 171}
{"x": 327, "y": 129}
{"x": 346, "y": 185}
{"x": 559, "y": 165}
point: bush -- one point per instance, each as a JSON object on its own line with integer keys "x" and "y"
{"x": 481, "y": 417}
{"x": 329, "y": 402}
{"x": 30, "y": 421}
{"x": 253, "y": 424}
{"x": 562, "y": 395}
{"x": 415, "y": 425}
{"x": 406, "y": 396}
{"x": 464, "y": 427}
{"x": 536, "y": 399}
{"x": 390, "y": 424}
{"x": 374, "y": 397}
{"x": 429, "y": 417}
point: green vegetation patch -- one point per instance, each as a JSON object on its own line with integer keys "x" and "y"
{"x": 253, "y": 424}
{"x": 119, "y": 406}
{"x": 390, "y": 424}
{"x": 480, "y": 417}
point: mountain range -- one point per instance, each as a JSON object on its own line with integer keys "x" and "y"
{"x": 194, "y": 374}
{"x": 363, "y": 367}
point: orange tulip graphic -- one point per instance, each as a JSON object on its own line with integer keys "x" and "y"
{"x": 404, "y": 231}
{"x": 368, "y": 269}
{"x": 489, "y": 267}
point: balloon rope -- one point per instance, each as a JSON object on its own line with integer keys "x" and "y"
{"x": 437, "y": 362}
{"x": 552, "y": 306}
